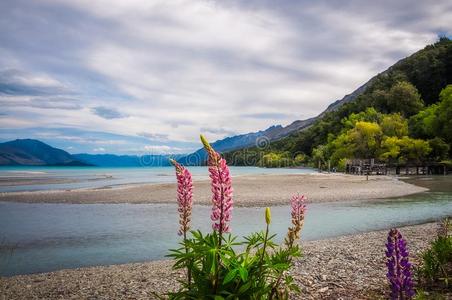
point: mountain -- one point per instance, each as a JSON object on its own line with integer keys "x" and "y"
{"x": 262, "y": 138}
{"x": 35, "y": 153}
{"x": 111, "y": 160}
{"x": 410, "y": 86}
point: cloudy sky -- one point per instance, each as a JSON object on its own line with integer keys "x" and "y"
{"x": 140, "y": 76}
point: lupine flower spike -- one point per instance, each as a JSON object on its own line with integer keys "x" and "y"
{"x": 268, "y": 215}
{"x": 399, "y": 267}
{"x": 184, "y": 196}
{"x": 221, "y": 186}
{"x": 298, "y": 209}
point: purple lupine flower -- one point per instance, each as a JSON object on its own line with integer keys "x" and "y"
{"x": 399, "y": 267}
{"x": 221, "y": 185}
{"x": 184, "y": 197}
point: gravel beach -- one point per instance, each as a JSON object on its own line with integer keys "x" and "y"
{"x": 249, "y": 190}
{"x": 349, "y": 267}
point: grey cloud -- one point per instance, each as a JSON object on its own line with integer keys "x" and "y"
{"x": 219, "y": 131}
{"x": 267, "y": 116}
{"x": 108, "y": 112}
{"x": 194, "y": 63}
{"x": 56, "y": 103}
{"x": 42, "y": 103}
{"x": 17, "y": 82}
{"x": 153, "y": 136}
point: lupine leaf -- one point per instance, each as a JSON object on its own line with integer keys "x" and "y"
{"x": 230, "y": 276}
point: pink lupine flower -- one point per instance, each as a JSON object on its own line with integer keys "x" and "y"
{"x": 184, "y": 197}
{"x": 298, "y": 209}
{"x": 221, "y": 186}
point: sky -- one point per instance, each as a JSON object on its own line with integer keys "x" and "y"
{"x": 144, "y": 76}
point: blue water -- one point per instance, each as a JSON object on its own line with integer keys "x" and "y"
{"x": 47, "y": 237}
{"x": 67, "y": 178}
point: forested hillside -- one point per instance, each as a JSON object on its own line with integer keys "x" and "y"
{"x": 403, "y": 116}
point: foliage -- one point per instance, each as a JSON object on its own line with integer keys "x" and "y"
{"x": 413, "y": 150}
{"x": 215, "y": 269}
{"x": 435, "y": 120}
{"x": 445, "y": 114}
{"x": 439, "y": 148}
{"x": 394, "y": 125}
{"x": 389, "y": 100}
{"x": 370, "y": 134}
{"x": 425, "y": 123}
{"x": 251, "y": 274}
{"x": 276, "y": 160}
{"x": 436, "y": 269}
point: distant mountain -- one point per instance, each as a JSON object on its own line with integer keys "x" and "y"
{"x": 350, "y": 97}
{"x": 273, "y": 133}
{"x": 111, "y": 160}
{"x": 428, "y": 71}
{"x": 35, "y": 153}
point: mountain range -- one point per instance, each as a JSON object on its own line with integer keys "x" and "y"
{"x": 273, "y": 133}
{"x": 35, "y": 153}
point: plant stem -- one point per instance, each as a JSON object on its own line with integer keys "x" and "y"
{"x": 263, "y": 249}
{"x": 220, "y": 236}
{"x": 189, "y": 266}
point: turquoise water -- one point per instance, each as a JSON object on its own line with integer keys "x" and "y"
{"x": 58, "y": 178}
{"x": 47, "y": 237}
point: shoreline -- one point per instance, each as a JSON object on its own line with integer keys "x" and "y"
{"x": 249, "y": 191}
{"x": 351, "y": 266}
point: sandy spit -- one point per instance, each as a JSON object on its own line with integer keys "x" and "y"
{"x": 250, "y": 190}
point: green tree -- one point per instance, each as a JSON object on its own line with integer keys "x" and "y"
{"x": 394, "y": 125}
{"x": 425, "y": 124}
{"x": 341, "y": 148}
{"x": 369, "y": 115}
{"x": 440, "y": 149}
{"x": 365, "y": 139}
{"x": 320, "y": 154}
{"x": 390, "y": 149}
{"x": 445, "y": 114}
{"x": 413, "y": 150}
{"x": 404, "y": 98}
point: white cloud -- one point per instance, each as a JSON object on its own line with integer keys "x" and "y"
{"x": 163, "y": 149}
{"x": 167, "y": 70}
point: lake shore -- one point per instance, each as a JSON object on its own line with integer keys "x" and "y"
{"x": 249, "y": 190}
{"x": 348, "y": 267}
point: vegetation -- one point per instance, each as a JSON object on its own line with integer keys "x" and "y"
{"x": 435, "y": 273}
{"x": 403, "y": 116}
{"x": 214, "y": 268}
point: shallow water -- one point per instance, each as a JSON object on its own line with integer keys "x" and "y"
{"x": 48, "y": 237}
{"x": 45, "y": 178}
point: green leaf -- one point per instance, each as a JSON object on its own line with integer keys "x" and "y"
{"x": 230, "y": 276}
{"x": 244, "y": 287}
{"x": 243, "y": 273}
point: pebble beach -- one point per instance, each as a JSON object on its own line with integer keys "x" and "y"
{"x": 348, "y": 267}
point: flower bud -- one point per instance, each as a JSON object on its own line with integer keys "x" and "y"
{"x": 205, "y": 143}
{"x": 268, "y": 215}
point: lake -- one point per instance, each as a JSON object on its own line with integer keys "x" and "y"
{"x": 47, "y": 237}
{"x": 15, "y": 179}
